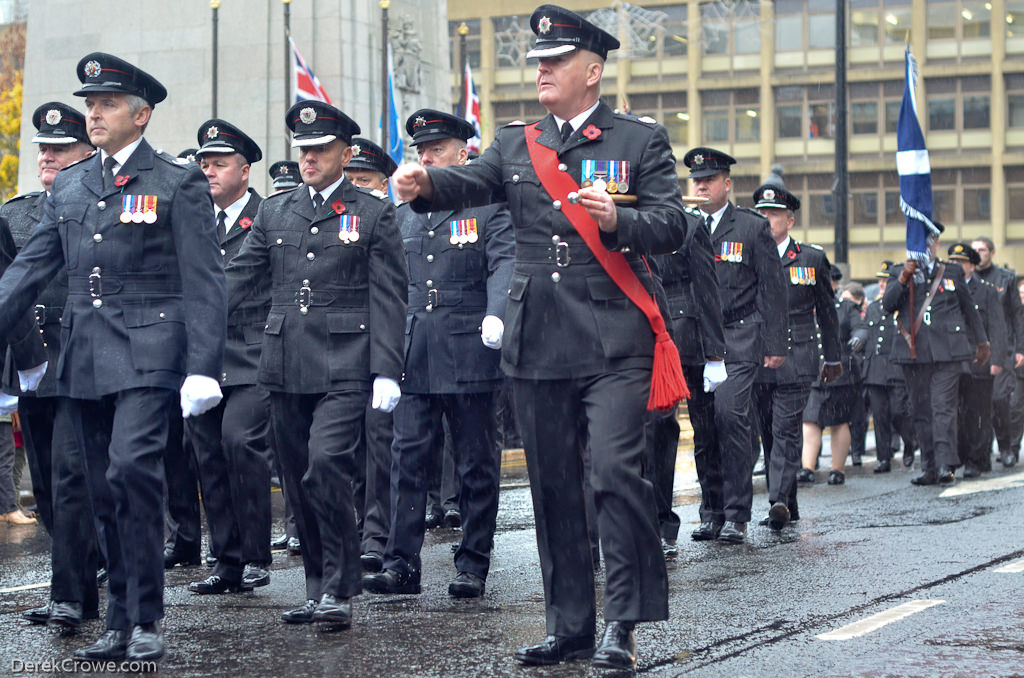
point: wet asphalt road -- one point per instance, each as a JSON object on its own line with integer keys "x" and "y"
{"x": 752, "y": 610}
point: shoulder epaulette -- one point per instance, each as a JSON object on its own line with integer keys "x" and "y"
{"x": 280, "y": 193}
{"x": 692, "y": 211}
{"x": 515, "y": 123}
{"x": 645, "y": 119}
{"x": 750, "y": 210}
{"x": 817, "y": 247}
{"x": 22, "y": 196}
{"x": 377, "y": 193}
{"x": 171, "y": 159}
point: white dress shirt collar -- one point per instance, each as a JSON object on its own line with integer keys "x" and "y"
{"x": 783, "y": 246}
{"x": 121, "y": 157}
{"x": 327, "y": 192}
{"x": 716, "y": 217}
{"x": 577, "y": 121}
{"x": 234, "y": 210}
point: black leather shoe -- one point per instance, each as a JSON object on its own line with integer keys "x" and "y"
{"x": 926, "y": 478}
{"x": 836, "y": 478}
{"x": 211, "y": 560}
{"x": 111, "y": 645}
{"x": 856, "y": 459}
{"x": 733, "y": 532}
{"x": 466, "y": 585}
{"x": 618, "y": 647}
{"x": 300, "y": 615}
{"x": 215, "y": 584}
{"x": 38, "y": 615}
{"x": 778, "y": 516}
{"x": 294, "y": 546}
{"x": 1008, "y": 459}
{"x": 173, "y": 556}
{"x": 555, "y": 649}
{"x": 146, "y": 643}
{"x": 334, "y": 610}
{"x": 946, "y": 476}
{"x": 883, "y": 466}
{"x": 391, "y": 581}
{"x": 433, "y": 520}
{"x": 452, "y": 519}
{"x": 805, "y": 475}
{"x": 794, "y": 512}
{"x": 278, "y": 543}
{"x": 971, "y": 472}
{"x": 908, "y": 458}
{"x": 372, "y": 562}
{"x": 65, "y": 615}
{"x": 706, "y": 531}
{"x": 669, "y": 548}
{"x": 255, "y": 575}
{"x": 101, "y": 576}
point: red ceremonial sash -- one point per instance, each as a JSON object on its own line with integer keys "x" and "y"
{"x": 668, "y": 386}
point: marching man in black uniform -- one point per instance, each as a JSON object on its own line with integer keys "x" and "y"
{"x": 781, "y": 394}
{"x": 145, "y": 312}
{"x": 67, "y": 516}
{"x": 581, "y": 328}
{"x": 332, "y": 341}
{"x": 231, "y": 441}
{"x": 974, "y": 442}
{"x": 753, "y": 294}
{"x": 460, "y": 263}
{"x": 941, "y": 331}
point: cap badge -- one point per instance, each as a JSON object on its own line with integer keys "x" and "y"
{"x": 93, "y": 68}
{"x": 283, "y": 171}
{"x": 544, "y": 25}
{"x": 958, "y": 249}
{"x": 768, "y": 194}
{"x": 419, "y": 121}
{"x": 356, "y": 150}
{"x": 698, "y": 159}
{"x": 212, "y": 132}
{"x": 191, "y": 157}
{"x": 52, "y": 116}
{"x": 307, "y": 116}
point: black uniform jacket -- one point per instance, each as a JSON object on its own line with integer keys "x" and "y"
{"x": 337, "y": 308}
{"x": 879, "y": 333}
{"x": 247, "y": 321}
{"x": 451, "y": 288}
{"x": 951, "y": 329}
{"x": 1005, "y": 282}
{"x": 23, "y": 213}
{"x": 751, "y": 285}
{"x": 691, "y": 288}
{"x": 146, "y": 301}
{"x": 566, "y": 317}
{"x": 990, "y": 308}
{"x": 806, "y": 271}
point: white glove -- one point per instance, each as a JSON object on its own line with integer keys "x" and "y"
{"x": 29, "y": 379}
{"x": 491, "y": 331}
{"x": 386, "y": 393}
{"x": 714, "y": 375}
{"x": 8, "y": 404}
{"x": 199, "y": 394}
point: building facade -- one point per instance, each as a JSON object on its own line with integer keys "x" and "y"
{"x": 756, "y": 79}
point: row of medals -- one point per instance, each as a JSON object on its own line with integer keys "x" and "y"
{"x": 138, "y": 217}
{"x": 463, "y": 239}
{"x": 609, "y": 186}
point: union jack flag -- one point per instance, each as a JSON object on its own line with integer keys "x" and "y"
{"x": 470, "y": 109}
{"x": 305, "y": 84}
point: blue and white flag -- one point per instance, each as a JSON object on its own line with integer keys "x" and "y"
{"x": 395, "y": 149}
{"x": 915, "y": 170}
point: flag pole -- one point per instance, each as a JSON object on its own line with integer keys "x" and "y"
{"x": 384, "y": 122}
{"x": 841, "y": 189}
{"x": 287, "y": 71}
{"x": 215, "y": 9}
{"x": 464, "y": 61}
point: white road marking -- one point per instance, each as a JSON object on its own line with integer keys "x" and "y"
{"x": 26, "y": 587}
{"x": 1015, "y": 566}
{"x": 998, "y": 483}
{"x": 877, "y": 621}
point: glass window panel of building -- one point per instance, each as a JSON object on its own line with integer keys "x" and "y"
{"x": 813, "y": 103}
{"x": 804, "y": 24}
{"x": 512, "y": 40}
{"x": 731, "y": 27}
{"x": 1014, "y": 19}
{"x": 731, "y": 116}
{"x": 958, "y": 19}
{"x": 958, "y": 103}
{"x": 1015, "y": 99}
{"x": 873, "y": 22}
{"x": 669, "y": 109}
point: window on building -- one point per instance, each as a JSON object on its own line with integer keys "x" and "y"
{"x": 865, "y": 19}
{"x": 789, "y": 111}
{"x": 958, "y": 103}
{"x": 1015, "y": 98}
{"x": 972, "y": 186}
{"x": 472, "y": 43}
{"x": 821, "y": 111}
{"x": 804, "y": 24}
{"x": 896, "y": 20}
{"x": 958, "y": 19}
{"x": 731, "y": 115}
{"x": 976, "y": 96}
{"x": 731, "y": 27}
{"x": 892, "y": 92}
{"x": 1014, "y": 19}
{"x": 717, "y": 105}
{"x": 508, "y": 111}
{"x": 864, "y": 98}
{"x": 667, "y": 108}
{"x": 512, "y": 40}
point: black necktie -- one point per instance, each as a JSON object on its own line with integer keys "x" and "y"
{"x": 566, "y": 131}
{"x": 222, "y": 220}
{"x": 710, "y": 223}
{"x": 318, "y": 201}
{"x": 108, "y": 172}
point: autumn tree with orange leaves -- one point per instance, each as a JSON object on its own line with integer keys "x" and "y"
{"x": 12, "y": 66}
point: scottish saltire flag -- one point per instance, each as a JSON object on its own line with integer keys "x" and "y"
{"x": 914, "y": 169}
{"x": 471, "y": 109}
{"x": 395, "y": 147}
{"x": 305, "y": 84}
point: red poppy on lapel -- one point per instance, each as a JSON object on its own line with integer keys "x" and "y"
{"x": 338, "y": 206}
{"x": 121, "y": 179}
{"x": 792, "y": 255}
{"x": 591, "y": 132}
{"x": 245, "y": 222}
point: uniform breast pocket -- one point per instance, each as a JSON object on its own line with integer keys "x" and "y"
{"x": 156, "y": 332}
{"x": 72, "y": 230}
{"x": 348, "y": 355}
{"x": 284, "y": 253}
{"x": 522, "y": 187}
{"x": 511, "y": 346}
{"x": 345, "y": 262}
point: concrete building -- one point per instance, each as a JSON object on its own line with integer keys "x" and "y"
{"x": 339, "y": 39}
{"x": 756, "y": 79}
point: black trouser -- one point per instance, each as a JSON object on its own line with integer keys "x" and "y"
{"x": 74, "y": 553}
{"x": 722, "y": 454}
{"x": 858, "y": 424}
{"x": 1003, "y": 416}
{"x": 231, "y": 443}
{"x": 316, "y": 436}
{"x": 1016, "y": 416}
{"x": 613, "y": 405}
{"x": 442, "y": 476}
{"x": 478, "y": 461}
{"x": 373, "y": 490}
{"x": 779, "y": 410}
{"x": 124, "y": 437}
{"x": 975, "y": 413}
{"x": 890, "y": 410}
{"x": 933, "y": 402}
{"x": 184, "y": 532}
{"x": 37, "y": 416}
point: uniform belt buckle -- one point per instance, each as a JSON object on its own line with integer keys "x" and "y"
{"x": 95, "y": 285}
{"x": 433, "y": 299}
{"x": 562, "y": 258}
{"x": 304, "y": 298}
